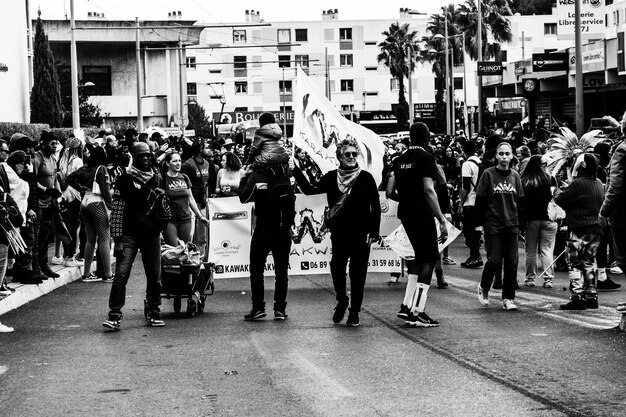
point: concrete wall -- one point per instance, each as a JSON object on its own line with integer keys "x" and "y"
{"x": 14, "y": 82}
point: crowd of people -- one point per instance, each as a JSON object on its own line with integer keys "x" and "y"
{"x": 499, "y": 188}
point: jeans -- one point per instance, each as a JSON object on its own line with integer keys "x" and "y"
{"x": 43, "y": 233}
{"x": 355, "y": 248}
{"x": 606, "y": 245}
{"x": 540, "y": 237}
{"x": 71, "y": 219}
{"x": 501, "y": 249}
{"x": 472, "y": 237}
{"x": 150, "y": 247}
{"x": 279, "y": 243}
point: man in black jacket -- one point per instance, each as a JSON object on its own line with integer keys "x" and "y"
{"x": 274, "y": 207}
{"x": 132, "y": 232}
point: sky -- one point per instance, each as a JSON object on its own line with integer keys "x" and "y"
{"x": 211, "y": 11}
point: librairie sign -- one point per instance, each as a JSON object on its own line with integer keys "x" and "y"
{"x": 489, "y": 68}
{"x": 592, "y": 19}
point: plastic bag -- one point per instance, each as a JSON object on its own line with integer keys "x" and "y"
{"x": 399, "y": 242}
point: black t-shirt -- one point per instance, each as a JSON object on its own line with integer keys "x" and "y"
{"x": 410, "y": 169}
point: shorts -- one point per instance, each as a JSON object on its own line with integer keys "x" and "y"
{"x": 422, "y": 234}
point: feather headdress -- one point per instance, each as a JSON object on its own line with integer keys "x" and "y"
{"x": 566, "y": 146}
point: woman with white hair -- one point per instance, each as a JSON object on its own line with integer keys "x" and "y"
{"x": 354, "y": 229}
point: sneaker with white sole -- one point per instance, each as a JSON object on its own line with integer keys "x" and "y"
{"x": 483, "y": 297}
{"x": 421, "y": 320}
{"x": 108, "y": 280}
{"x": 615, "y": 270}
{"x": 508, "y": 305}
{"x": 448, "y": 261}
{"x": 621, "y": 308}
{"x": 73, "y": 262}
{"x": 6, "y": 329}
{"x": 57, "y": 260}
{"x": 529, "y": 282}
{"x": 113, "y": 322}
{"x": 547, "y": 283}
{"x": 91, "y": 278}
{"x": 153, "y": 319}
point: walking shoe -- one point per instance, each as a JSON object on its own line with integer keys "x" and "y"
{"x": 72, "y": 262}
{"x": 340, "y": 312}
{"x": 49, "y": 272}
{"x": 615, "y": 270}
{"x": 483, "y": 297}
{"x": 472, "y": 263}
{"x": 27, "y": 277}
{"x": 608, "y": 285}
{"x": 404, "y": 312}
{"x": 254, "y": 314}
{"x": 153, "y": 319}
{"x": 4, "y": 290}
{"x": 497, "y": 284}
{"x": 591, "y": 302}
{"x": 6, "y": 329}
{"x": 448, "y": 261}
{"x": 113, "y": 322}
{"x": 393, "y": 280}
{"x": 108, "y": 280}
{"x": 57, "y": 260}
{"x": 91, "y": 278}
{"x": 621, "y": 308}
{"x": 529, "y": 282}
{"x": 576, "y": 303}
{"x": 421, "y": 320}
{"x": 547, "y": 283}
{"x": 353, "y": 319}
{"x": 508, "y": 305}
{"x": 280, "y": 315}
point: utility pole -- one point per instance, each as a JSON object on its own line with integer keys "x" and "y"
{"x": 282, "y": 92}
{"x": 74, "y": 70}
{"x": 479, "y": 42}
{"x": 452, "y": 106}
{"x": 181, "y": 103}
{"x": 327, "y": 73}
{"x": 410, "y": 85}
{"x": 580, "y": 104}
{"x": 523, "y": 46}
{"x": 465, "y": 91}
{"x": 446, "y": 74}
{"x": 138, "y": 59}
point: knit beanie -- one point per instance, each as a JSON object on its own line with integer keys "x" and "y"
{"x": 266, "y": 118}
{"x": 419, "y": 133}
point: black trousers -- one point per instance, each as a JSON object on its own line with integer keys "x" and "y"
{"x": 472, "y": 237}
{"x": 355, "y": 248}
{"x": 279, "y": 243}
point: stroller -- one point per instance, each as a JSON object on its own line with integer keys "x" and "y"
{"x": 185, "y": 275}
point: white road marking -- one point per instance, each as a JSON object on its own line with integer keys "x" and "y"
{"x": 586, "y": 322}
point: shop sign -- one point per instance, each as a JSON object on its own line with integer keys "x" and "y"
{"x": 247, "y": 116}
{"x": 489, "y": 68}
{"x": 424, "y": 110}
{"x": 593, "y": 80}
{"x": 381, "y": 116}
{"x": 3, "y": 67}
{"x": 592, "y": 19}
{"x": 550, "y": 62}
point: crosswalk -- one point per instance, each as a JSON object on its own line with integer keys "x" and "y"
{"x": 548, "y": 306}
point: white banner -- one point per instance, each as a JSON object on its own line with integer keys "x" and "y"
{"x": 319, "y": 127}
{"x": 231, "y": 231}
{"x": 592, "y": 19}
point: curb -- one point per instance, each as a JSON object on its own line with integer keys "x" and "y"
{"x": 25, "y": 293}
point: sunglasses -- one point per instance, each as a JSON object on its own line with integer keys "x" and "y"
{"x": 350, "y": 154}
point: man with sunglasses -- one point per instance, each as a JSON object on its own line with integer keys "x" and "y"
{"x": 132, "y": 232}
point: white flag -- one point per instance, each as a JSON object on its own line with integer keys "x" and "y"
{"x": 319, "y": 127}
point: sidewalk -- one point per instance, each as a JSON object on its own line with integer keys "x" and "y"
{"x": 25, "y": 293}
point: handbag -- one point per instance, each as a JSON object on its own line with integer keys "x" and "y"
{"x": 331, "y": 215}
{"x": 95, "y": 187}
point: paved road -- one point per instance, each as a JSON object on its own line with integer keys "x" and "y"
{"x": 480, "y": 362}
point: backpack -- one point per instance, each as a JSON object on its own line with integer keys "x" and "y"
{"x": 282, "y": 201}
{"x": 159, "y": 212}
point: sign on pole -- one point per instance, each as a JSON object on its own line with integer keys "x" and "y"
{"x": 592, "y": 19}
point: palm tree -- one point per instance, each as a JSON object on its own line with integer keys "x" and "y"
{"x": 494, "y": 21}
{"x": 393, "y": 54}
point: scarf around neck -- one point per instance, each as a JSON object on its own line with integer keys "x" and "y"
{"x": 139, "y": 175}
{"x": 346, "y": 177}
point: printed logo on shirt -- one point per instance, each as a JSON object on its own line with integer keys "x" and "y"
{"x": 407, "y": 166}
{"x": 177, "y": 184}
{"x": 504, "y": 187}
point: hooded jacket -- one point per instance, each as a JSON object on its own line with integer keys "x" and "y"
{"x": 266, "y": 148}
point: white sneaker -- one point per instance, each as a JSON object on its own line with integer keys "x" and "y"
{"x": 483, "y": 298}
{"x": 72, "y": 262}
{"x": 529, "y": 282}
{"x": 57, "y": 260}
{"x": 508, "y": 305}
{"x": 5, "y": 329}
{"x": 616, "y": 270}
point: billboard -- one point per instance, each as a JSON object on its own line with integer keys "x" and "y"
{"x": 592, "y": 19}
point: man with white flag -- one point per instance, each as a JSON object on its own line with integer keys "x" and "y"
{"x": 319, "y": 127}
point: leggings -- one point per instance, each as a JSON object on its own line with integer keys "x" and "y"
{"x": 177, "y": 231}
{"x": 96, "y": 220}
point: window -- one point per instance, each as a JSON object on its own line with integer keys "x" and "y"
{"x": 101, "y": 77}
{"x": 347, "y": 85}
{"x": 284, "y": 61}
{"x": 345, "y": 60}
{"x": 241, "y": 87}
{"x": 239, "y": 36}
{"x": 549, "y": 28}
{"x": 244, "y": 108}
{"x": 347, "y": 107}
{"x": 394, "y": 84}
{"x": 302, "y": 60}
{"x": 302, "y": 35}
{"x": 284, "y": 35}
{"x": 240, "y": 62}
{"x": 215, "y": 71}
{"x": 345, "y": 34}
{"x": 190, "y": 62}
{"x": 371, "y": 68}
{"x": 284, "y": 109}
{"x": 458, "y": 83}
{"x": 285, "y": 87}
{"x": 192, "y": 89}
{"x": 370, "y": 43}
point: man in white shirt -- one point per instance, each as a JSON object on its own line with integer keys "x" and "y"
{"x": 469, "y": 176}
